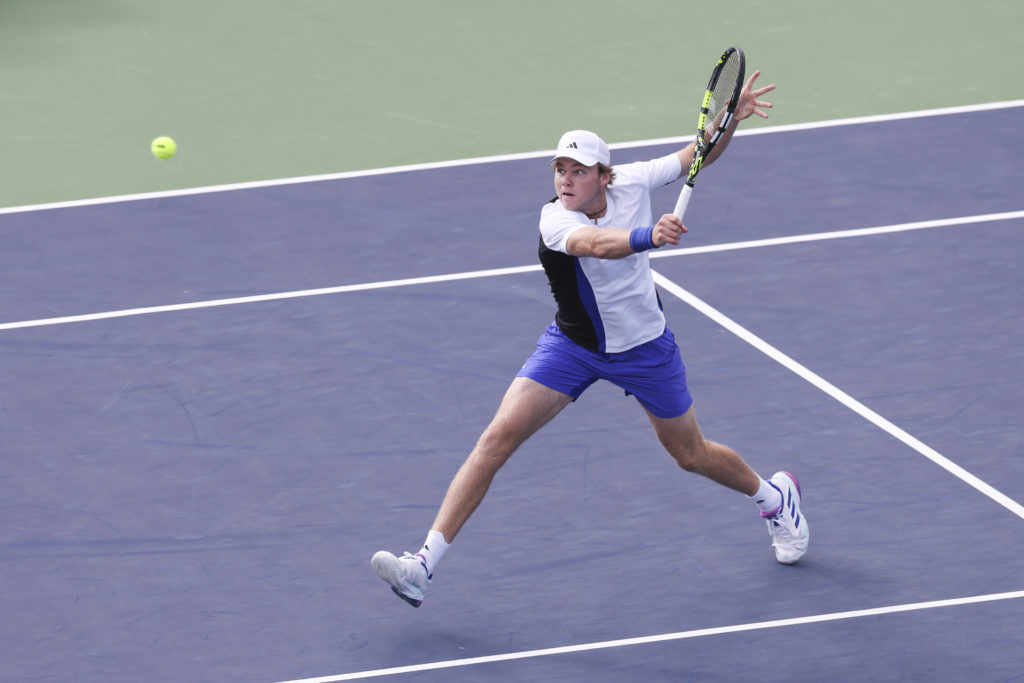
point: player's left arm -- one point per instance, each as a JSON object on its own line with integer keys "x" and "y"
{"x": 616, "y": 243}
{"x": 749, "y": 105}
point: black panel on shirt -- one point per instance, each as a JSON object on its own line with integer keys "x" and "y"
{"x": 572, "y": 317}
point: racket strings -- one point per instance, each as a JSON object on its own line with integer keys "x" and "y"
{"x": 726, "y": 87}
{"x": 716, "y": 109}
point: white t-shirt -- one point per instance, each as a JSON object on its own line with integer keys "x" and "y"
{"x": 607, "y": 305}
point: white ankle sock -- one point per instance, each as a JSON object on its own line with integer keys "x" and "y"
{"x": 768, "y": 498}
{"x": 433, "y": 549}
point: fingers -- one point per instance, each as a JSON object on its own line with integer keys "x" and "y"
{"x": 757, "y": 108}
{"x": 760, "y": 91}
{"x": 668, "y": 230}
{"x": 757, "y": 105}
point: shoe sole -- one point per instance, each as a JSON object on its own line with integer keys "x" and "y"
{"x": 412, "y": 601}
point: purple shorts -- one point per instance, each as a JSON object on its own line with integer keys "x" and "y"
{"x": 653, "y": 372}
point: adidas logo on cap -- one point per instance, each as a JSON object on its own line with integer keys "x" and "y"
{"x": 583, "y": 146}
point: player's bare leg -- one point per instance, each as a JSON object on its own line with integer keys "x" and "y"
{"x": 526, "y": 407}
{"x": 787, "y": 526}
{"x": 682, "y": 438}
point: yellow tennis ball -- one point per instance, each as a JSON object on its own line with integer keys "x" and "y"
{"x": 163, "y": 147}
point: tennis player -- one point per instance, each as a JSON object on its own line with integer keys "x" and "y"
{"x": 596, "y": 236}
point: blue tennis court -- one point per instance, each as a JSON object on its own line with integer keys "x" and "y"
{"x": 217, "y": 406}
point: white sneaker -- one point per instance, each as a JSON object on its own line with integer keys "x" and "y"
{"x": 787, "y": 526}
{"x": 407, "y": 575}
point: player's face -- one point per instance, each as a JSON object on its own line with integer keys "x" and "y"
{"x": 581, "y": 188}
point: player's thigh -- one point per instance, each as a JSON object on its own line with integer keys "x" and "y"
{"x": 527, "y": 406}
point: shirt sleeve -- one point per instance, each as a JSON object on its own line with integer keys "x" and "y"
{"x": 654, "y": 173}
{"x": 557, "y": 223}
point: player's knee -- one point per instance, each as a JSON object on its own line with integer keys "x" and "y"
{"x": 494, "y": 447}
{"x": 689, "y": 457}
{"x": 686, "y": 461}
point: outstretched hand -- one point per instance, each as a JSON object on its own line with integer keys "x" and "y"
{"x": 749, "y": 104}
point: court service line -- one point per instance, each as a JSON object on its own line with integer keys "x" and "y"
{"x": 839, "y": 234}
{"x": 839, "y": 395}
{"x": 682, "y": 635}
{"x": 362, "y": 287}
{"x": 496, "y": 272}
{"x": 497, "y": 158}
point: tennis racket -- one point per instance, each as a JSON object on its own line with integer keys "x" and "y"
{"x": 716, "y": 112}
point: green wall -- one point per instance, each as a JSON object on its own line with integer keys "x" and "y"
{"x": 261, "y": 89}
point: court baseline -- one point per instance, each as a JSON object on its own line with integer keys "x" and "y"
{"x": 682, "y": 635}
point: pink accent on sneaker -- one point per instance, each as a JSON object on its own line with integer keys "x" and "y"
{"x": 795, "y": 481}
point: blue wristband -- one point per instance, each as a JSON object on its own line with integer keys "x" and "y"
{"x": 641, "y": 239}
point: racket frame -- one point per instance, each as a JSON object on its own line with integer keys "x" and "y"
{"x": 702, "y": 146}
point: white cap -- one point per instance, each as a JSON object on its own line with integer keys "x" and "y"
{"x": 583, "y": 146}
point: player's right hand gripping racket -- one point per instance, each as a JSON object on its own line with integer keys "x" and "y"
{"x": 716, "y": 112}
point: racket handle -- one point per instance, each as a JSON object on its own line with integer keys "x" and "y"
{"x": 684, "y": 199}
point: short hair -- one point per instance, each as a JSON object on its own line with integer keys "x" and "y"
{"x": 601, "y": 168}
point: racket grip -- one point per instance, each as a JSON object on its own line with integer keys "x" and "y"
{"x": 683, "y": 201}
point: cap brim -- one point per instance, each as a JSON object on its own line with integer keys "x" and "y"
{"x": 575, "y": 156}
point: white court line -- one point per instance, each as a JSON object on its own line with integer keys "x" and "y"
{"x": 839, "y": 234}
{"x": 169, "y": 308}
{"x": 686, "y": 296}
{"x": 682, "y": 635}
{"x": 882, "y": 118}
{"x": 792, "y": 239}
{"x": 839, "y": 395}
